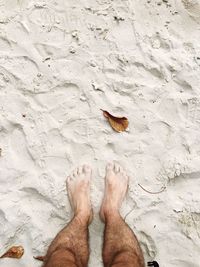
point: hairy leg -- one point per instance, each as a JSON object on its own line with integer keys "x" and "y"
{"x": 121, "y": 248}
{"x": 70, "y": 247}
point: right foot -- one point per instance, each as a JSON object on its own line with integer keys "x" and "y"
{"x": 78, "y": 185}
{"x": 116, "y": 185}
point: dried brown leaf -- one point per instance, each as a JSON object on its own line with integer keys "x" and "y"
{"x": 15, "y": 252}
{"x": 39, "y": 258}
{"x": 119, "y": 124}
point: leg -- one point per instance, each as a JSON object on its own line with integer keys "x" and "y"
{"x": 121, "y": 248}
{"x": 70, "y": 247}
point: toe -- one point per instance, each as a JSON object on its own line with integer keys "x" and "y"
{"x": 80, "y": 169}
{"x": 87, "y": 169}
{"x": 125, "y": 175}
{"x": 121, "y": 169}
{"x": 127, "y": 178}
{"x": 117, "y": 167}
{"x": 69, "y": 178}
{"x": 110, "y": 167}
{"x": 75, "y": 172}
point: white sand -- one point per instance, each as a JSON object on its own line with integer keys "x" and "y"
{"x": 60, "y": 62}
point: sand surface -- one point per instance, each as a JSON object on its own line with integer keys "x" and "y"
{"x": 61, "y": 61}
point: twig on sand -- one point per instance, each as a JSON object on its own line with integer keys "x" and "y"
{"x": 162, "y": 189}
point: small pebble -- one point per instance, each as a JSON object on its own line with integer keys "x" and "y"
{"x": 83, "y": 98}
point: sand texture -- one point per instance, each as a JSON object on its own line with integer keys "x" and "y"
{"x": 61, "y": 61}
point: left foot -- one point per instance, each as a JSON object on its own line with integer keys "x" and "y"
{"x": 78, "y": 185}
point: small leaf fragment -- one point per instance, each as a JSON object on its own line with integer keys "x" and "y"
{"x": 15, "y": 252}
{"x": 40, "y": 258}
{"x": 119, "y": 124}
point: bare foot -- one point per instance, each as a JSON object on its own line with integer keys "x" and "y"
{"x": 116, "y": 184}
{"x": 78, "y": 185}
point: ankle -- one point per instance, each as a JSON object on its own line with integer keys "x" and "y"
{"x": 83, "y": 217}
{"x": 111, "y": 215}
